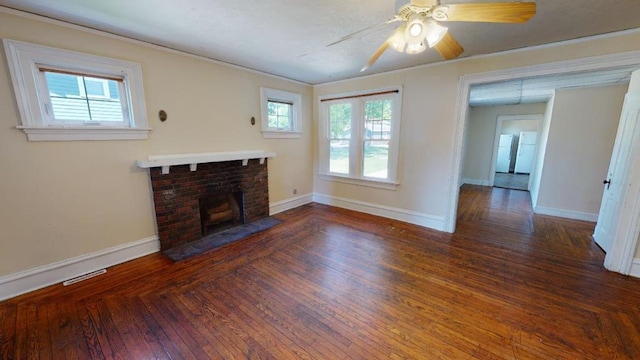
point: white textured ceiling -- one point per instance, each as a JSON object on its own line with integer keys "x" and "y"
{"x": 289, "y": 37}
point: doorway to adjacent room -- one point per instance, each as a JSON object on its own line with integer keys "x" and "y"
{"x": 514, "y": 151}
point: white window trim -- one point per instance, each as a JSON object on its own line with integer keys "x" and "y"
{"x": 380, "y": 184}
{"x": 266, "y": 95}
{"x": 392, "y": 182}
{"x": 23, "y": 61}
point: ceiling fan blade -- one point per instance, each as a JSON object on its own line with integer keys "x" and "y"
{"x": 424, "y": 3}
{"x": 449, "y": 47}
{"x": 365, "y": 30}
{"x": 517, "y": 12}
{"x": 375, "y": 56}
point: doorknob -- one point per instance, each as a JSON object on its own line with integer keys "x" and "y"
{"x": 608, "y": 183}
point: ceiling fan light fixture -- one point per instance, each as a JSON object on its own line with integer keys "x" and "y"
{"x": 416, "y": 30}
{"x": 397, "y": 41}
{"x": 435, "y": 32}
{"x": 416, "y": 48}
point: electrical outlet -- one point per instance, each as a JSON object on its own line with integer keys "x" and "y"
{"x": 295, "y": 191}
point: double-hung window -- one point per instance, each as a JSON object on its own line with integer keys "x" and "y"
{"x": 359, "y": 137}
{"x": 66, "y": 95}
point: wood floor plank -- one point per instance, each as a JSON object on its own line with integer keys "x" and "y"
{"x": 331, "y": 283}
{"x": 182, "y": 334}
{"x": 108, "y": 335}
{"x": 90, "y": 333}
{"x": 257, "y": 333}
{"x": 132, "y": 330}
{"x": 8, "y": 328}
{"x": 211, "y": 324}
{"x": 388, "y": 333}
{"x": 157, "y": 332}
{"x": 303, "y": 329}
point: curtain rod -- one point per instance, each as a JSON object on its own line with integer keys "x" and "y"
{"x": 361, "y": 95}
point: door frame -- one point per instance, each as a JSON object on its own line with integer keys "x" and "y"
{"x": 496, "y": 141}
{"x": 622, "y": 262}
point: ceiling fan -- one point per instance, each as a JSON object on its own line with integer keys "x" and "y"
{"x": 421, "y": 25}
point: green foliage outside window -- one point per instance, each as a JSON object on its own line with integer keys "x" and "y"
{"x": 279, "y": 115}
{"x": 340, "y": 120}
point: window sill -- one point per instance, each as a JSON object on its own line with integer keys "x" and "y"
{"x": 281, "y": 134}
{"x": 37, "y": 133}
{"x": 361, "y": 182}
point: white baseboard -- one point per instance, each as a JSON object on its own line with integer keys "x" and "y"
{"x": 412, "y": 217}
{"x": 568, "y": 214}
{"x": 635, "y": 268}
{"x": 36, "y": 278}
{"x": 475, "y": 182}
{"x": 291, "y": 203}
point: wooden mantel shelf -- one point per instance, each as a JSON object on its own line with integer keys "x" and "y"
{"x": 166, "y": 161}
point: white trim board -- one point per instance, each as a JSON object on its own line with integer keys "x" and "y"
{"x": 291, "y": 203}
{"x": 567, "y": 214}
{"x": 412, "y": 217}
{"x": 635, "y": 268}
{"x": 36, "y": 278}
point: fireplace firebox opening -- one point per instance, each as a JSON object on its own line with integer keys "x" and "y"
{"x": 219, "y": 212}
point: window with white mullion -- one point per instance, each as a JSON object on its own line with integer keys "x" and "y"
{"x": 362, "y": 137}
{"x": 280, "y": 115}
{"x": 83, "y": 99}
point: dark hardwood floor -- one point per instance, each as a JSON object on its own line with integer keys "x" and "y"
{"x": 329, "y": 283}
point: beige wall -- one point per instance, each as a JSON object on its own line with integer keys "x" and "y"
{"x": 481, "y": 132}
{"x": 428, "y": 124}
{"x": 579, "y": 146}
{"x": 64, "y": 199}
{"x": 538, "y": 165}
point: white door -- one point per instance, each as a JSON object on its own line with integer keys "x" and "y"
{"x": 503, "y": 161}
{"x": 526, "y": 151}
{"x": 616, "y": 182}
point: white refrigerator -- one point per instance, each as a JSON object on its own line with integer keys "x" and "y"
{"x": 526, "y": 152}
{"x": 503, "y": 160}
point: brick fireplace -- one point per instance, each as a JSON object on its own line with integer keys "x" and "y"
{"x": 197, "y": 196}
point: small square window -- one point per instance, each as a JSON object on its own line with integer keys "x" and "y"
{"x": 280, "y": 113}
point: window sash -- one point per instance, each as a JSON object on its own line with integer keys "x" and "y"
{"x": 93, "y": 103}
{"x": 288, "y": 116}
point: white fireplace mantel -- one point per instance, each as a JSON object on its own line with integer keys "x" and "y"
{"x": 166, "y": 161}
